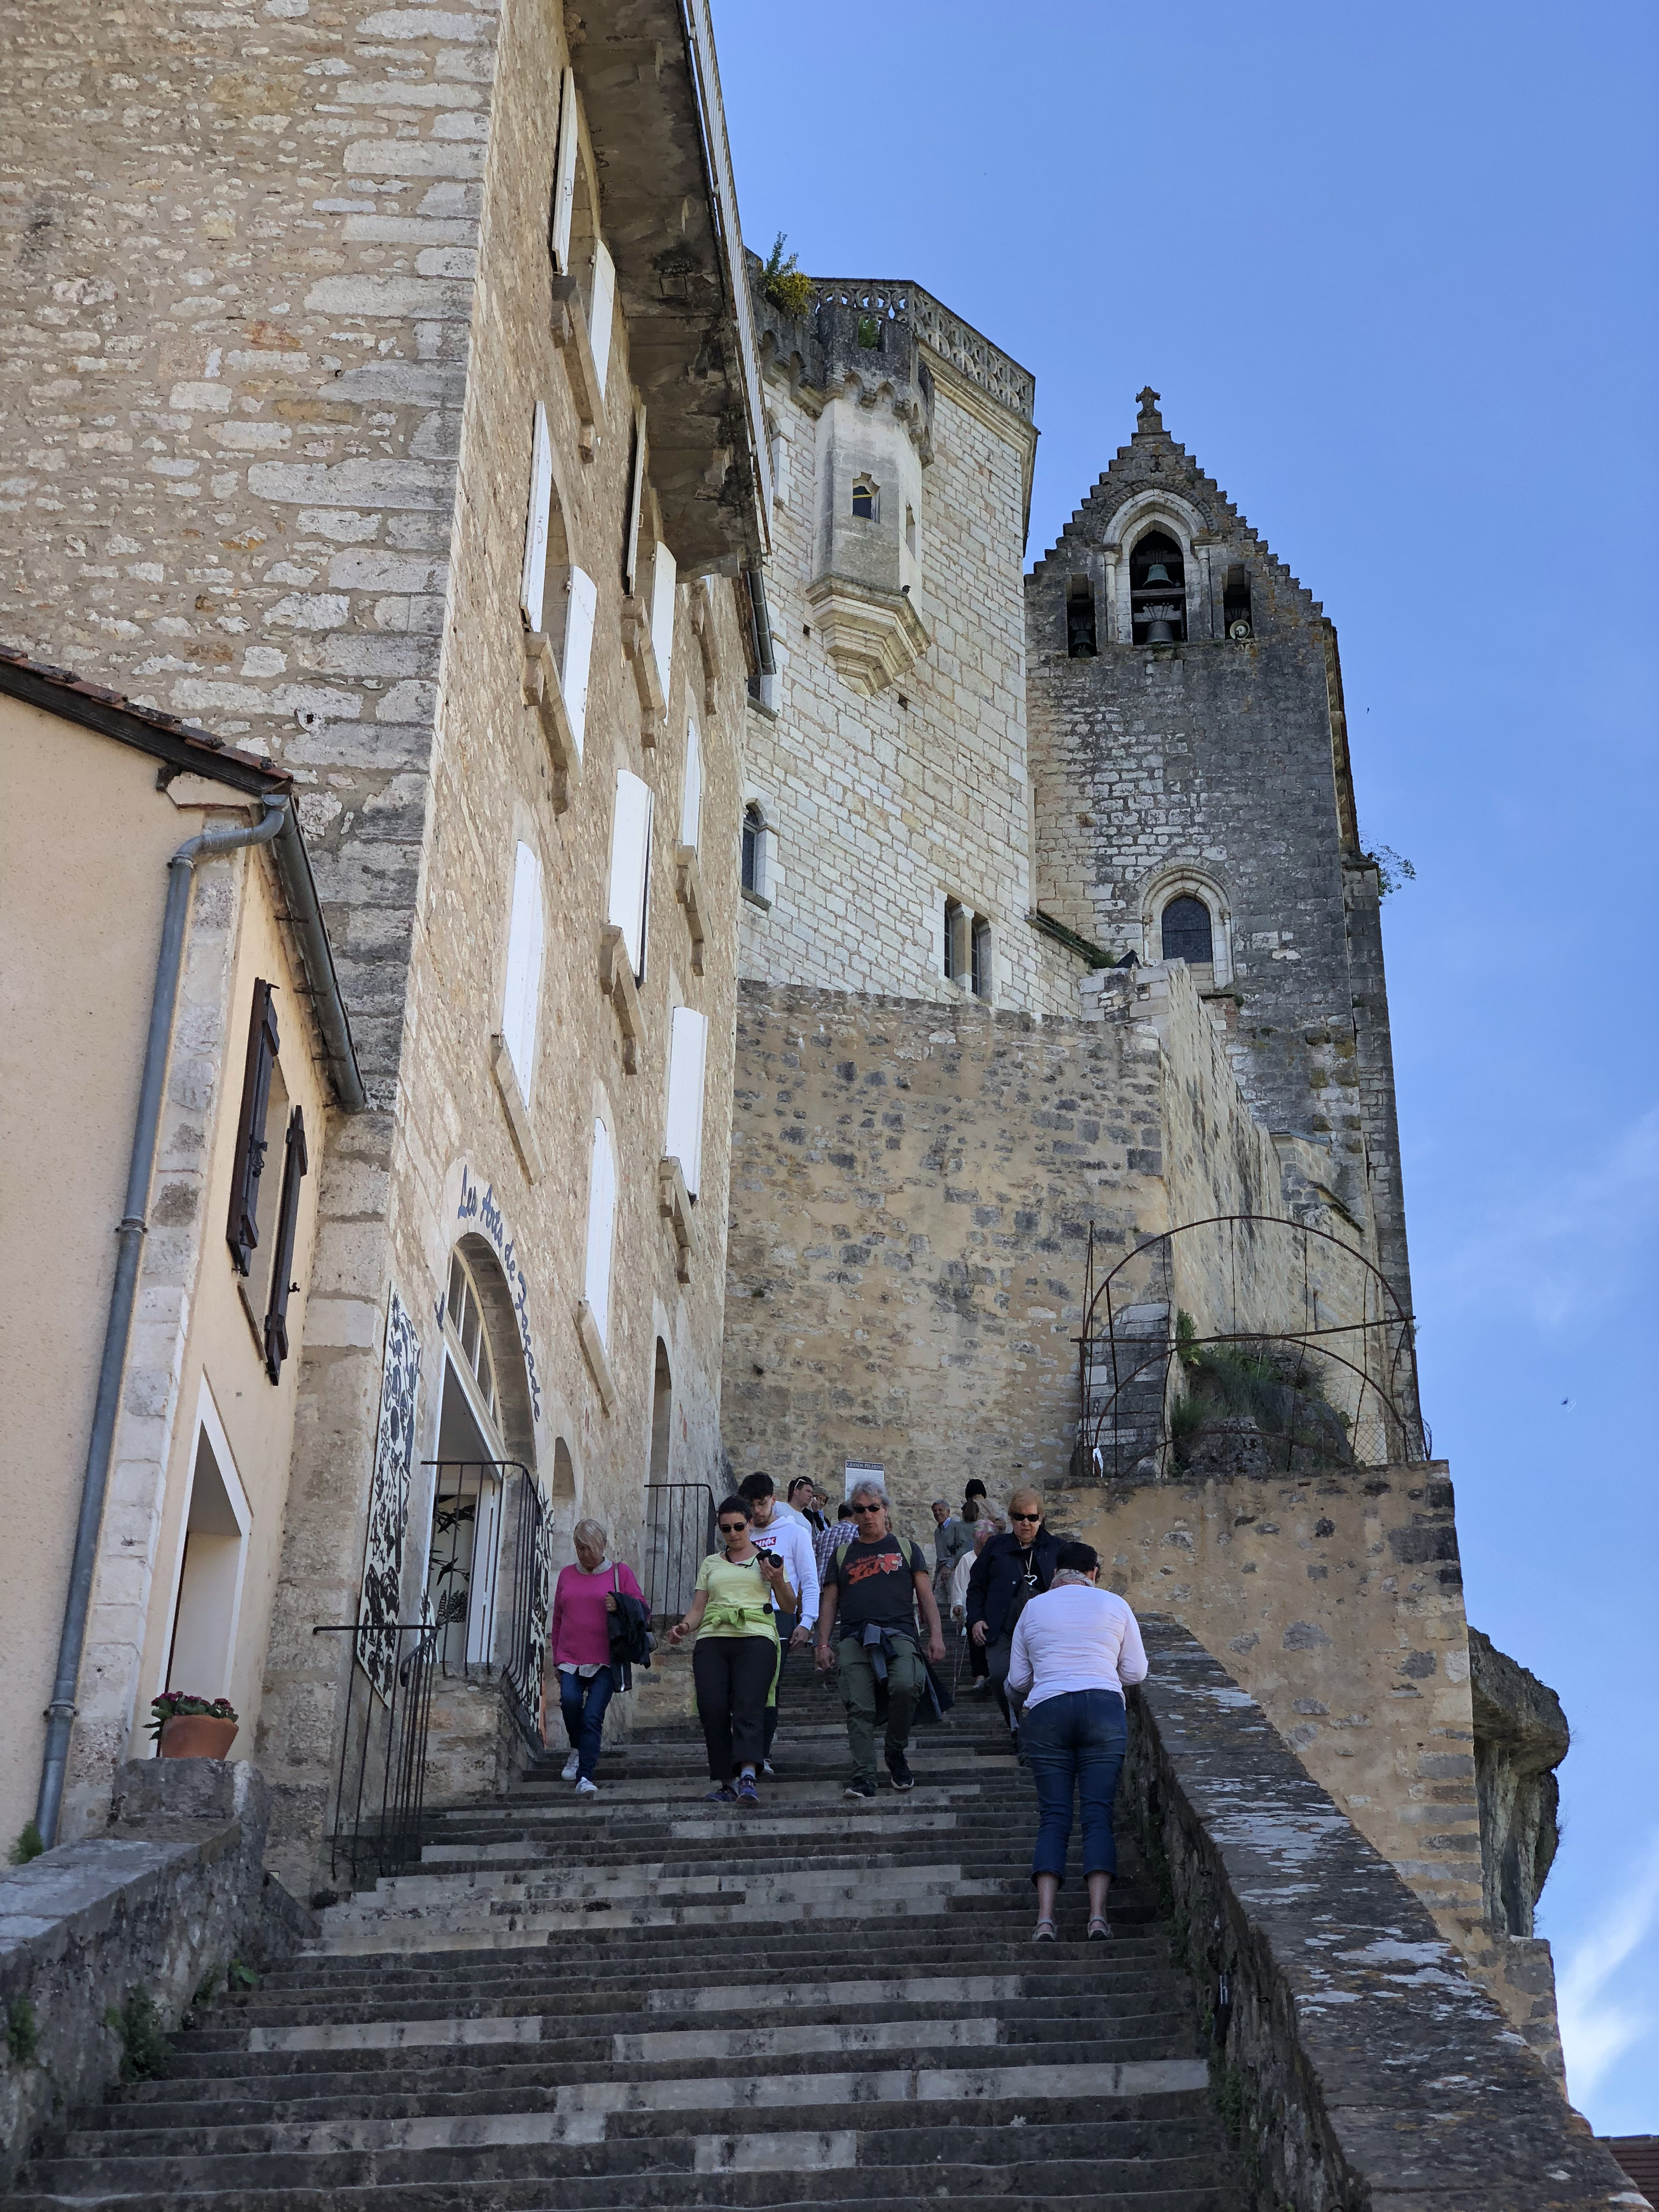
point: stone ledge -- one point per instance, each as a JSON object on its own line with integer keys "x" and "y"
{"x": 544, "y": 692}
{"x": 1367, "y": 2067}
{"x": 517, "y": 1113}
{"x": 687, "y": 889}
{"x": 169, "y": 1895}
{"x": 642, "y": 652}
{"x": 674, "y": 1204}
{"x": 617, "y": 982}
{"x": 570, "y": 335}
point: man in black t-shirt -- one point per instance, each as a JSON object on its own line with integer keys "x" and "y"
{"x": 876, "y": 1582}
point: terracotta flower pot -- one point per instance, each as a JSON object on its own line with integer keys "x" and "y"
{"x": 197, "y": 1736}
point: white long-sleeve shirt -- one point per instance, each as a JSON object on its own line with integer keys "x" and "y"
{"x": 1076, "y": 1638}
{"x": 791, "y": 1540}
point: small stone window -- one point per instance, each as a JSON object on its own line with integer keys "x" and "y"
{"x": 1080, "y": 633}
{"x": 1187, "y": 932}
{"x": 753, "y": 828}
{"x": 1157, "y": 590}
{"x": 910, "y": 531}
{"x": 1236, "y": 605}
{"x": 980, "y": 970}
{"x": 866, "y": 500}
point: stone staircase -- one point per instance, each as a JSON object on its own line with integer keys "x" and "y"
{"x": 644, "y": 2001}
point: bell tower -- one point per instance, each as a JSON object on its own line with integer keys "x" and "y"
{"x": 1192, "y": 800}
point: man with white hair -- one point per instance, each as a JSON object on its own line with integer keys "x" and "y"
{"x": 877, "y": 1582}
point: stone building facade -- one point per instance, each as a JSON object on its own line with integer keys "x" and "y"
{"x": 783, "y": 942}
{"x": 392, "y": 403}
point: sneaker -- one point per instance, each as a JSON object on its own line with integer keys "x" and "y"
{"x": 768, "y": 1770}
{"x": 747, "y": 1793}
{"x": 724, "y": 1795}
{"x": 572, "y": 1767}
{"x": 860, "y": 1786}
{"x": 587, "y": 1787}
{"x": 899, "y": 1767}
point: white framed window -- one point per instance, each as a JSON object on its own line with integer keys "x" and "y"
{"x": 688, "y": 1054}
{"x": 601, "y": 1230}
{"x": 630, "y": 865}
{"x": 532, "y": 587}
{"x": 691, "y": 795}
{"x": 581, "y": 602}
{"x": 664, "y": 577}
{"x": 564, "y": 175}
{"x": 463, "y": 1310}
{"x": 521, "y": 996}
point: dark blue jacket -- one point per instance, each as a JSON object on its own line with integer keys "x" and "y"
{"x": 996, "y": 1577}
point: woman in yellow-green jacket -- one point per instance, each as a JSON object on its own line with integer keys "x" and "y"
{"x": 736, "y": 1656}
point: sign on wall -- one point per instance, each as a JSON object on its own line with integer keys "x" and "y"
{"x": 388, "y": 1500}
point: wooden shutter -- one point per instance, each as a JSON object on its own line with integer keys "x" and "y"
{"x": 636, "y": 505}
{"x": 281, "y": 1266}
{"x": 564, "y": 176}
{"x": 524, "y": 967}
{"x": 242, "y": 1230}
{"x": 688, "y": 1053}
{"x": 601, "y": 1219}
{"x": 630, "y": 864}
{"x": 665, "y": 576}
{"x": 691, "y": 801}
{"x": 533, "y": 588}
{"x": 600, "y": 309}
{"x": 580, "y": 605}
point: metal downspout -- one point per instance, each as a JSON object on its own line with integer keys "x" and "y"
{"x": 60, "y": 1713}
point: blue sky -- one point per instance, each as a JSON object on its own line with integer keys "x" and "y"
{"x": 1393, "y": 273}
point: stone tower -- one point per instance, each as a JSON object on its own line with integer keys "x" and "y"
{"x": 1192, "y": 799}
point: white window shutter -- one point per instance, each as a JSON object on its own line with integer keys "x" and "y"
{"x": 635, "y": 504}
{"x": 564, "y": 175}
{"x": 520, "y": 999}
{"x": 691, "y": 802}
{"x": 688, "y": 1051}
{"x": 601, "y": 1229}
{"x": 665, "y": 576}
{"x": 533, "y": 588}
{"x": 630, "y": 859}
{"x": 584, "y": 598}
{"x": 600, "y": 309}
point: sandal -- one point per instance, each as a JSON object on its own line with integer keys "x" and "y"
{"x": 1100, "y": 1928}
{"x": 1043, "y": 1932}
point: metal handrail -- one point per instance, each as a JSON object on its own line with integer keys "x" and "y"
{"x": 376, "y": 1828}
{"x": 680, "y": 1535}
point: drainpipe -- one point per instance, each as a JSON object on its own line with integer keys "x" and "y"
{"x": 181, "y": 868}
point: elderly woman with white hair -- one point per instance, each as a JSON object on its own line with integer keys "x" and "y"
{"x": 583, "y": 1601}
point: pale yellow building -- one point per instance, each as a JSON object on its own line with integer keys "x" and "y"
{"x": 199, "y": 1337}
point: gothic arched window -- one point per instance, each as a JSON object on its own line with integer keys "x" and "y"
{"x": 1158, "y": 590}
{"x": 1188, "y": 934}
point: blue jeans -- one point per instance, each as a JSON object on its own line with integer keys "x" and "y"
{"x": 1075, "y": 1742}
{"x": 583, "y": 1703}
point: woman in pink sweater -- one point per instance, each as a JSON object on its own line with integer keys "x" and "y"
{"x": 583, "y": 1601}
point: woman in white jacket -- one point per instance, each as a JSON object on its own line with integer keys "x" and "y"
{"x": 1075, "y": 1648}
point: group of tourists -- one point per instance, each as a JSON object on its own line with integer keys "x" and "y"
{"x": 1054, "y": 1649}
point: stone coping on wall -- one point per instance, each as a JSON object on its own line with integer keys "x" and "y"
{"x": 1357, "y": 2062}
{"x": 160, "y": 1904}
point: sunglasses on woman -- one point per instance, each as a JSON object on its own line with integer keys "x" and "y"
{"x": 732, "y": 1528}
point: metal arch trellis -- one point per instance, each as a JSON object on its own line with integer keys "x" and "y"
{"x": 1129, "y": 1346}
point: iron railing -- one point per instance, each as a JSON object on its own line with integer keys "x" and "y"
{"x": 1295, "y": 1355}
{"x": 680, "y": 1535}
{"x": 382, "y": 1784}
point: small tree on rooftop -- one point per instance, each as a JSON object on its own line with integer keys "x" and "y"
{"x": 782, "y": 281}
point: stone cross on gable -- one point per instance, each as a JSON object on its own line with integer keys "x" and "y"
{"x": 1148, "y": 418}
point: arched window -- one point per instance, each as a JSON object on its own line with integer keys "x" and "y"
{"x": 1236, "y": 603}
{"x": 601, "y": 1230}
{"x": 1157, "y": 590}
{"x": 1080, "y": 633}
{"x": 1186, "y": 931}
{"x": 662, "y": 1416}
{"x": 463, "y": 1310}
{"x": 866, "y": 500}
{"x": 754, "y": 832}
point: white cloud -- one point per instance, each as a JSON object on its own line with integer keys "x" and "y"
{"x": 1567, "y": 1248}
{"x": 1598, "y": 2025}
